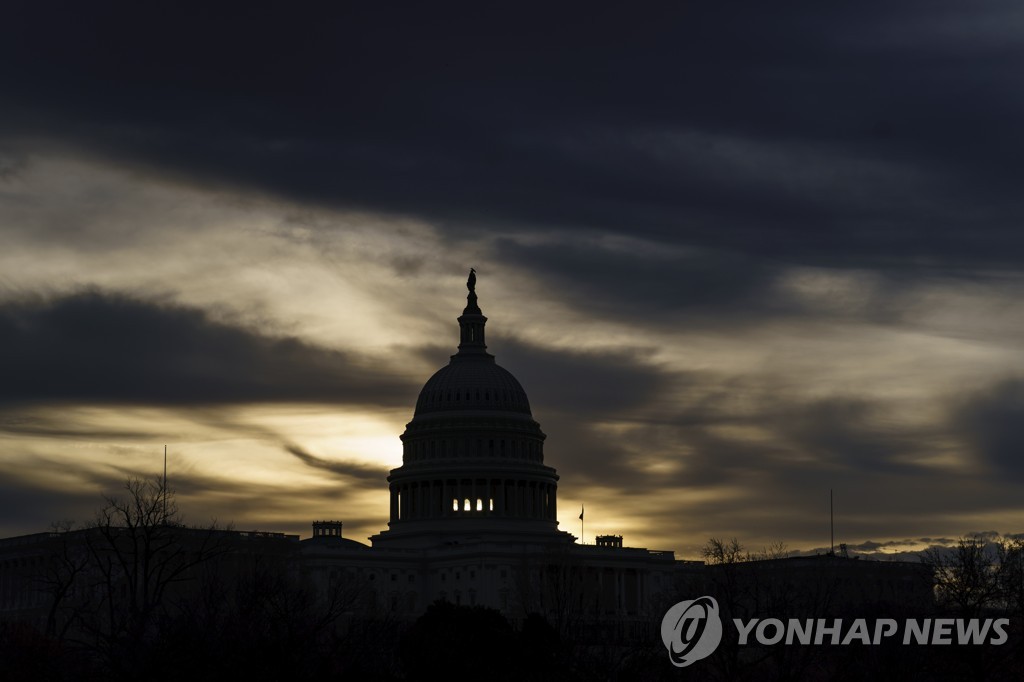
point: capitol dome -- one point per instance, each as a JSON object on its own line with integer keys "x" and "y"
{"x": 472, "y": 455}
{"x": 474, "y": 383}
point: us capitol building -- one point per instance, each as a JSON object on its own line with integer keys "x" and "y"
{"x": 473, "y": 514}
{"x": 473, "y": 521}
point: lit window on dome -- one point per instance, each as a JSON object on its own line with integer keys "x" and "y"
{"x": 465, "y": 505}
{"x": 455, "y": 505}
{"x": 479, "y": 504}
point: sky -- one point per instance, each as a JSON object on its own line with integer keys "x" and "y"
{"x": 738, "y": 255}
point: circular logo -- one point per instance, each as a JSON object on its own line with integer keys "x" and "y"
{"x": 691, "y": 630}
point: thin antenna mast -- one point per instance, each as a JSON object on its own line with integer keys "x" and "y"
{"x": 831, "y": 523}
{"x": 165, "y": 485}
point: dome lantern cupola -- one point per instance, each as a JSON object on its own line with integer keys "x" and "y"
{"x": 471, "y": 324}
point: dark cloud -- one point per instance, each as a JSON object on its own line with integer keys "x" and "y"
{"x": 48, "y": 424}
{"x": 783, "y": 442}
{"x": 660, "y": 286}
{"x": 654, "y": 286}
{"x": 26, "y": 506}
{"x": 364, "y": 475}
{"x": 12, "y": 164}
{"x": 592, "y": 384}
{"x": 770, "y": 462}
{"x": 100, "y": 347}
{"x": 869, "y": 134}
{"x": 584, "y": 457}
{"x": 991, "y": 422}
{"x": 852, "y": 433}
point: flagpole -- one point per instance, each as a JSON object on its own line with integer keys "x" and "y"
{"x": 583, "y": 539}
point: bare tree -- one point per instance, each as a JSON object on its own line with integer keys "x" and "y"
{"x": 773, "y": 550}
{"x": 966, "y": 576}
{"x": 60, "y": 575}
{"x": 1010, "y": 575}
{"x": 752, "y": 584}
{"x": 114, "y": 579}
{"x": 718, "y": 551}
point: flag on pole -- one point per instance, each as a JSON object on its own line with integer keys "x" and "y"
{"x": 581, "y": 512}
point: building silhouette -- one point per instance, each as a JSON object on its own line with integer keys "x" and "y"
{"x": 473, "y": 513}
{"x": 472, "y": 522}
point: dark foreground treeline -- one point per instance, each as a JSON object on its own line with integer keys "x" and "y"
{"x": 138, "y": 596}
{"x": 271, "y": 641}
{"x": 272, "y": 630}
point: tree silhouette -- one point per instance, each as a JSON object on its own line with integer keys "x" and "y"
{"x": 115, "y": 580}
{"x": 966, "y": 576}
